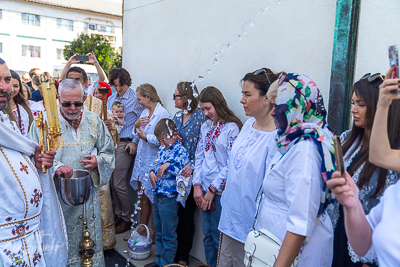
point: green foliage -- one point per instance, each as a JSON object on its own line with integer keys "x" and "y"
{"x": 107, "y": 56}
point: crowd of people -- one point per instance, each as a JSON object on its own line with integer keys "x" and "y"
{"x": 279, "y": 164}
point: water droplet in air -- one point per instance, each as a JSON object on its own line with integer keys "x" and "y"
{"x": 138, "y": 208}
{"x": 251, "y": 24}
{"x": 135, "y": 212}
{"x": 195, "y": 94}
{"x": 265, "y": 9}
{"x": 179, "y": 114}
{"x": 116, "y": 265}
{"x": 125, "y": 251}
{"x": 146, "y": 174}
{"x": 229, "y": 46}
{"x": 200, "y": 78}
{"x": 215, "y": 61}
{"x": 279, "y": 2}
{"x": 188, "y": 105}
{"x": 185, "y": 111}
{"x": 162, "y": 147}
{"x": 209, "y": 71}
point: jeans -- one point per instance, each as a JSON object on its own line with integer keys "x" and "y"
{"x": 166, "y": 219}
{"x": 209, "y": 223}
{"x": 185, "y": 229}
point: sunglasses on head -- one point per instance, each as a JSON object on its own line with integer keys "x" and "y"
{"x": 261, "y": 71}
{"x": 175, "y": 96}
{"x": 68, "y": 104}
{"x": 372, "y": 77}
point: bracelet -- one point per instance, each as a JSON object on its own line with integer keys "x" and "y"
{"x": 212, "y": 190}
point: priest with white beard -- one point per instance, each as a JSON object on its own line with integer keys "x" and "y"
{"x": 87, "y": 144}
{"x": 32, "y": 228}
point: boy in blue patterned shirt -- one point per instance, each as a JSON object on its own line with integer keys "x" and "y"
{"x": 171, "y": 158}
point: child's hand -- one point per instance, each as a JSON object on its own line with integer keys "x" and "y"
{"x": 198, "y": 196}
{"x": 187, "y": 171}
{"x": 162, "y": 169}
{"x": 153, "y": 179}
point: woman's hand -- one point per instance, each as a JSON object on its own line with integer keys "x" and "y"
{"x": 198, "y": 196}
{"x": 142, "y": 121}
{"x": 141, "y": 133}
{"x": 344, "y": 189}
{"x": 207, "y": 200}
{"x": 388, "y": 90}
{"x": 187, "y": 171}
{"x": 153, "y": 179}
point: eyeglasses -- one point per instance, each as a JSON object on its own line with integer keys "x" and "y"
{"x": 260, "y": 71}
{"x": 372, "y": 77}
{"x": 175, "y": 96}
{"x": 68, "y": 104}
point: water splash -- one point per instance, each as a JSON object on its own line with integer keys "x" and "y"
{"x": 189, "y": 108}
{"x": 185, "y": 112}
{"x": 200, "y": 78}
{"x": 209, "y": 70}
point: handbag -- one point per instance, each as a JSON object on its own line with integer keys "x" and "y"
{"x": 262, "y": 247}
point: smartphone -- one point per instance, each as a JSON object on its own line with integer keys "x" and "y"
{"x": 338, "y": 155}
{"x": 82, "y": 58}
{"x": 394, "y": 60}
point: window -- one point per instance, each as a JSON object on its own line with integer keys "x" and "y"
{"x": 30, "y": 51}
{"x": 93, "y": 27}
{"x": 110, "y": 29}
{"x": 85, "y": 26}
{"x": 65, "y": 24}
{"x": 102, "y": 28}
{"x": 1, "y": 47}
{"x": 60, "y": 52}
{"x": 30, "y": 19}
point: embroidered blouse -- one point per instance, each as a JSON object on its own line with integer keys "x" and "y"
{"x": 248, "y": 160}
{"x": 365, "y": 193}
{"x": 190, "y": 131}
{"x": 177, "y": 156}
{"x": 212, "y": 152}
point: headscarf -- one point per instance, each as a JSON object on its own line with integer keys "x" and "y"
{"x": 300, "y": 115}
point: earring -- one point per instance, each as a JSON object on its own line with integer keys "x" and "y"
{"x": 265, "y": 105}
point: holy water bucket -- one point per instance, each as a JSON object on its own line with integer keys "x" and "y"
{"x": 75, "y": 191}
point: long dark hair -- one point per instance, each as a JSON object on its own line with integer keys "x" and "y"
{"x": 262, "y": 79}
{"x": 369, "y": 93}
{"x": 19, "y": 99}
{"x": 214, "y": 96}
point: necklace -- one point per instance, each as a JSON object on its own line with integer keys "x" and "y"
{"x": 263, "y": 126}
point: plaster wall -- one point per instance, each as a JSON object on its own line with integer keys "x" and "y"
{"x": 378, "y": 27}
{"x": 170, "y": 41}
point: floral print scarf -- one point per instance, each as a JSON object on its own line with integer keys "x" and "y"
{"x": 300, "y": 115}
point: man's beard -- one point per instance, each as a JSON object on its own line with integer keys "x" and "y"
{"x": 72, "y": 115}
{"x": 4, "y": 104}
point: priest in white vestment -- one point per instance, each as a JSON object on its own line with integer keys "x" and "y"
{"x": 31, "y": 224}
{"x": 87, "y": 144}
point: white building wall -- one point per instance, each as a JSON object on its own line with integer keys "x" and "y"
{"x": 170, "y": 41}
{"x": 47, "y": 36}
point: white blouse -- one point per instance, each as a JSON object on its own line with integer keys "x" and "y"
{"x": 147, "y": 150}
{"x": 248, "y": 160}
{"x": 291, "y": 199}
{"x": 212, "y": 152}
{"x": 384, "y": 220}
{"x": 24, "y": 119}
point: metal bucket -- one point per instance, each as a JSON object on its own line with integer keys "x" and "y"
{"x": 75, "y": 191}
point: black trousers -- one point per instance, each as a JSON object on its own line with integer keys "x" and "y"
{"x": 185, "y": 229}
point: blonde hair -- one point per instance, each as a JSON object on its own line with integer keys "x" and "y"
{"x": 273, "y": 89}
{"x": 25, "y": 77}
{"x": 148, "y": 90}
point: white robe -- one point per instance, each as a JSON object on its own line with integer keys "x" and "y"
{"x": 32, "y": 229}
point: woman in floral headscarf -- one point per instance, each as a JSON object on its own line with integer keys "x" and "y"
{"x": 295, "y": 195}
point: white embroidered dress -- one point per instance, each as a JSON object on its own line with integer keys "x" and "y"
{"x": 248, "y": 160}
{"x": 147, "y": 150}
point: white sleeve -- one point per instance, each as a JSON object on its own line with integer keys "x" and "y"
{"x": 199, "y": 157}
{"x": 303, "y": 187}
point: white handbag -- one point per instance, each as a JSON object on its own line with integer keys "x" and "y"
{"x": 262, "y": 247}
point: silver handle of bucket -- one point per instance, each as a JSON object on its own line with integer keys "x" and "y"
{"x": 147, "y": 230}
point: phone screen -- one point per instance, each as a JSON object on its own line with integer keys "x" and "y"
{"x": 394, "y": 60}
{"x": 83, "y": 58}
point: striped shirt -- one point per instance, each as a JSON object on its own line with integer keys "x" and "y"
{"x": 132, "y": 110}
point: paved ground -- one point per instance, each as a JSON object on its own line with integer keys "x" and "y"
{"x": 117, "y": 257}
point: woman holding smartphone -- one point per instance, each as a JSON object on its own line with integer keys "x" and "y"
{"x": 370, "y": 179}
{"x": 375, "y": 233}
{"x": 211, "y": 164}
